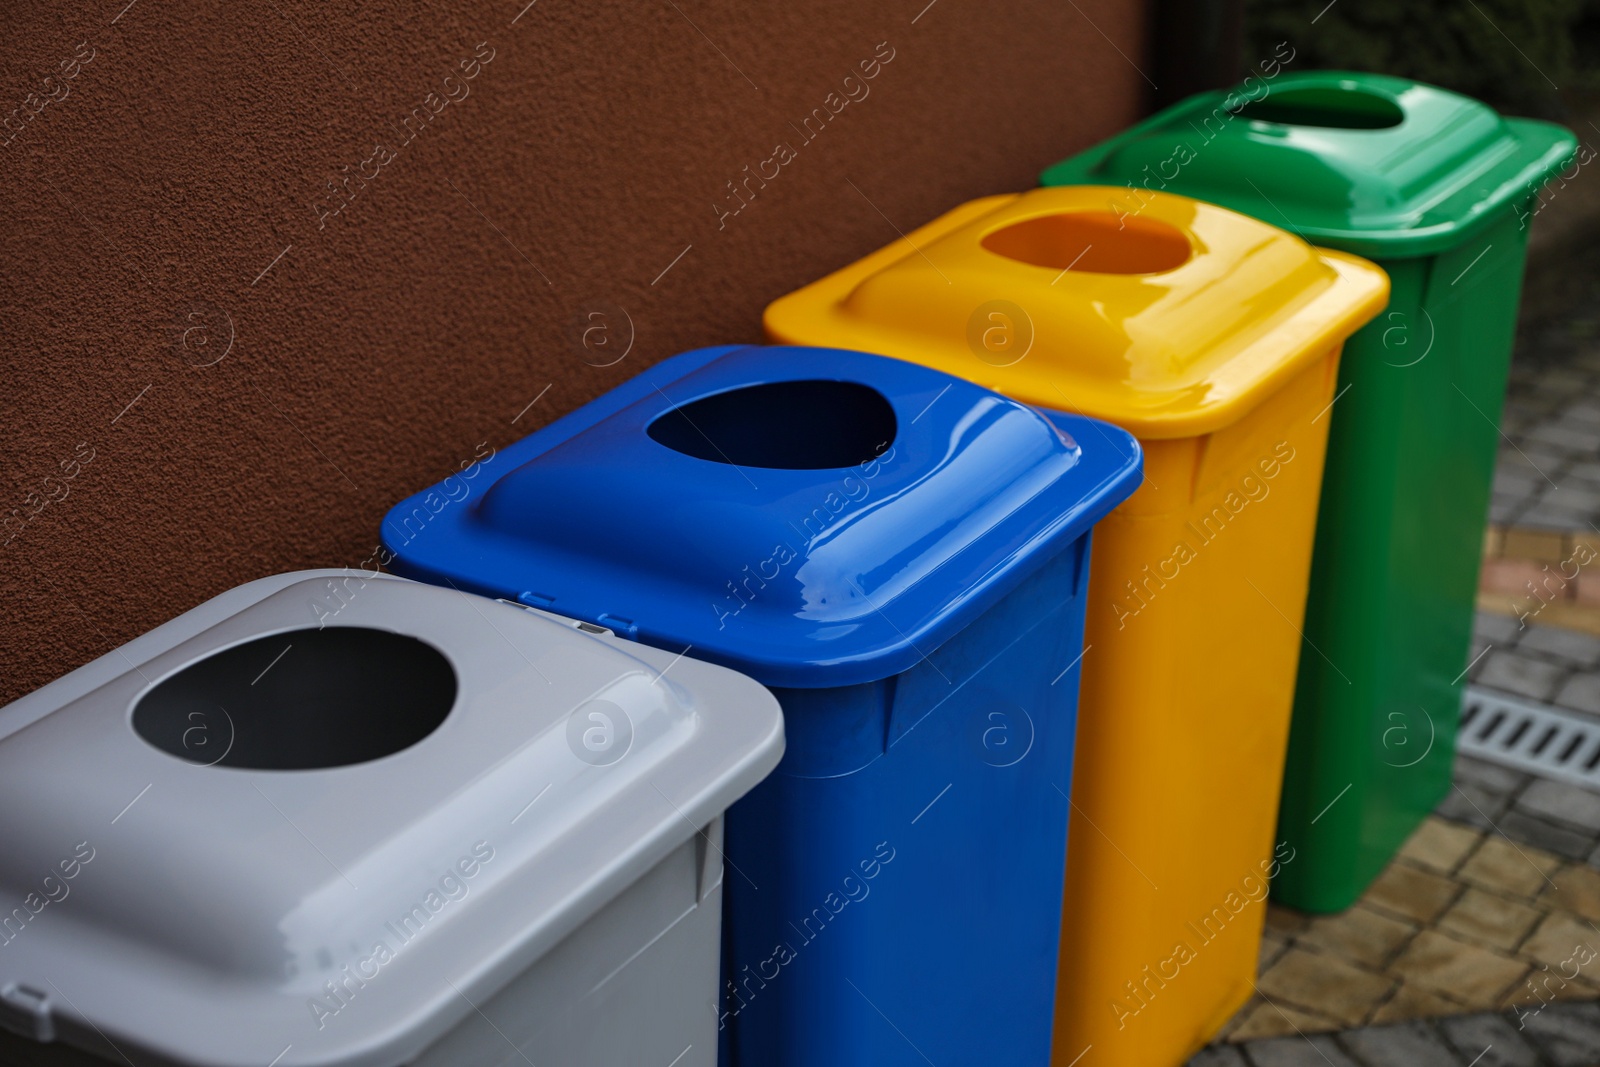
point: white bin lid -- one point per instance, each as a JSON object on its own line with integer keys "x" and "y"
{"x": 194, "y": 912}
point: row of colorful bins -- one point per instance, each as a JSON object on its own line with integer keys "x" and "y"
{"x": 449, "y": 823}
{"x": 901, "y": 557}
{"x": 1435, "y": 188}
{"x": 1217, "y": 343}
{"x": 1215, "y": 339}
{"x": 899, "y": 550}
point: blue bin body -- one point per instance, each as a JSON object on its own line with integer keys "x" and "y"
{"x": 893, "y": 889}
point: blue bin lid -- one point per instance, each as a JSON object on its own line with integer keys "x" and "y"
{"x": 809, "y": 516}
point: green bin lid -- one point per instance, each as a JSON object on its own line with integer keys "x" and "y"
{"x": 1366, "y": 163}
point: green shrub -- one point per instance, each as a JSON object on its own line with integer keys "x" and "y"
{"x": 1513, "y": 54}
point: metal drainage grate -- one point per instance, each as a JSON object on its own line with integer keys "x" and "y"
{"x": 1530, "y": 737}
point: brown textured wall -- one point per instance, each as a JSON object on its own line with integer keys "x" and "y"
{"x": 211, "y": 376}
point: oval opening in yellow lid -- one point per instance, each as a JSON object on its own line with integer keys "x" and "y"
{"x": 1170, "y": 318}
{"x": 1097, "y": 242}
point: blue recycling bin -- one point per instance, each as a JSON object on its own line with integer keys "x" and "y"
{"x": 902, "y": 557}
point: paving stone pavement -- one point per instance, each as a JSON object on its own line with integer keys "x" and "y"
{"x": 1561, "y": 1035}
{"x": 1545, "y": 577}
{"x": 1464, "y": 920}
{"x": 1482, "y": 939}
{"x": 1480, "y": 945}
{"x": 1548, "y": 474}
{"x": 1550, "y": 665}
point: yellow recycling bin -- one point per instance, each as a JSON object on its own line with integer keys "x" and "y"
{"x": 1215, "y": 339}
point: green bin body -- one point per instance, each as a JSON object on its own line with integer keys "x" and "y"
{"x": 1438, "y": 190}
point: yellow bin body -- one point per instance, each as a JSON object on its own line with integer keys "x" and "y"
{"x": 1215, "y": 339}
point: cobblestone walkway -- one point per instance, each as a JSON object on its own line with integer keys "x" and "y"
{"x": 1480, "y": 944}
{"x": 1550, "y": 577}
{"x": 1553, "y": 666}
{"x": 1562, "y": 1035}
{"x": 1549, "y": 475}
{"x": 1484, "y": 931}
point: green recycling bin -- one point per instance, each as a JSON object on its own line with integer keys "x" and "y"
{"x": 1438, "y": 190}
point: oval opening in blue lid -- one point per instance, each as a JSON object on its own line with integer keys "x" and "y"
{"x": 810, "y": 424}
{"x": 810, "y": 516}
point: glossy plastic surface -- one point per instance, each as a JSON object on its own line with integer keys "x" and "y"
{"x": 1198, "y": 581}
{"x": 1378, "y": 166}
{"x": 904, "y": 863}
{"x": 1196, "y": 591}
{"x": 922, "y": 618}
{"x": 208, "y": 918}
{"x": 799, "y": 576}
{"x": 1395, "y": 578}
{"x": 1444, "y": 197}
{"x": 1047, "y": 297}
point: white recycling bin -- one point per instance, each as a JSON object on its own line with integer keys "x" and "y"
{"x": 329, "y": 818}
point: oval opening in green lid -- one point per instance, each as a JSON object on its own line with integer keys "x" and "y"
{"x": 1343, "y": 108}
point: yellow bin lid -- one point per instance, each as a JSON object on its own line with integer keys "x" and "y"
{"x": 1172, "y": 318}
